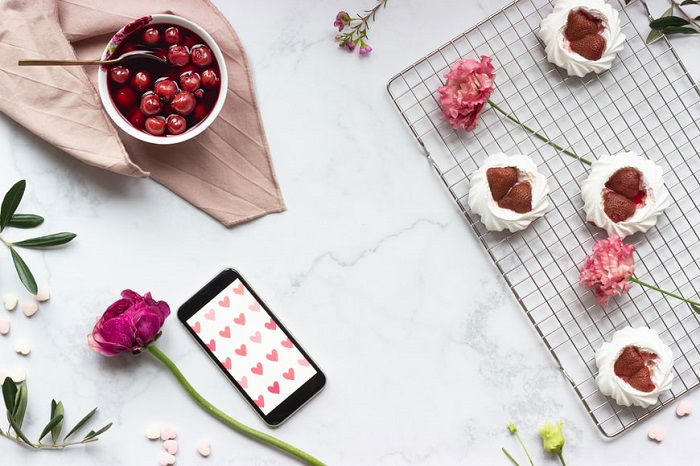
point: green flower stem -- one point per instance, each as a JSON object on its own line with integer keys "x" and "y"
{"x": 561, "y": 458}
{"x": 695, "y": 305}
{"x": 225, "y": 418}
{"x": 510, "y": 457}
{"x": 529, "y": 458}
{"x": 537, "y": 135}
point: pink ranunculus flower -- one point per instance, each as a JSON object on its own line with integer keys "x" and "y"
{"x": 469, "y": 86}
{"x": 129, "y": 324}
{"x": 608, "y": 270}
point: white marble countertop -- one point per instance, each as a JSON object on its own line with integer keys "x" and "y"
{"x": 428, "y": 355}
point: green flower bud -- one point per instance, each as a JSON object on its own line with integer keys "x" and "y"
{"x": 552, "y": 437}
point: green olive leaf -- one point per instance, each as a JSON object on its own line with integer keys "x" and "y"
{"x": 9, "y": 391}
{"x": 93, "y": 434}
{"x": 56, "y": 410}
{"x": 55, "y": 239}
{"x": 50, "y": 426}
{"x": 25, "y": 221}
{"x": 655, "y": 35}
{"x": 10, "y": 202}
{"x": 667, "y": 21}
{"x": 80, "y": 423}
{"x": 20, "y": 404}
{"x": 25, "y": 275}
{"x": 19, "y": 432}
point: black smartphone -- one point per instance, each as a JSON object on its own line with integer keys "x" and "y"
{"x": 250, "y": 345}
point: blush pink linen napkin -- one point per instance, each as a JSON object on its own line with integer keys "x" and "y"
{"x": 226, "y": 171}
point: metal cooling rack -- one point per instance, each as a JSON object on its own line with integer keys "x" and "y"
{"x": 647, "y": 103}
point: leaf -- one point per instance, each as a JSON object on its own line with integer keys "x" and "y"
{"x": 56, "y": 410}
{"x": 55, "y": 239}
{"x": 25, "y": 275}
{"x": 679, "y": 30}
{"x": 49, "y": 427}
{"x": 655, "y": 35}
{"x": 80, "y": 423}
{"x": 667, "y": 21}
{"x": 20, "y": 404}
{"x": 688, "y": 2}
{"x": 19, "y": 432}
{"x": 25, "y": 221}
{"x": 9, "y": 391}
{"x": 93, "y": 434}
{"x": 10, "y": 202}
{"x": 695, "y": 307}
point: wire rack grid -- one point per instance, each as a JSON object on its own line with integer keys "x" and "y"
{"x": 647, "y": 103}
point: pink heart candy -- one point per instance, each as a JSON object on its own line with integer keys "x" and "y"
{"x": 170, "y": 446}
{"x": 656, "y": 433}
{"x": 168, "y": 433}
{"x": 4, "y": 326}
{"x": 204, "y": 447}
{"x": 167, "y": 459}
{"x": 683, "y": 409}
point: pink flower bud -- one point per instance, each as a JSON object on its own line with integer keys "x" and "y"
{"x": 365, "y": 49}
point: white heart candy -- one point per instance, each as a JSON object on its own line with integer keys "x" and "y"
{"x": 683, "y": 409}
{"x": 29, "y": 308}
{"x": 4, "y": 326}
{"x": 656, "y": 433}
{"x": 18, "y": 374}
{"x": 168, "y": 433}
{"x": 43, "y": 294}
{"x": 167, "y": 459}
{"x": 9, "y": 300}
{"x": 170, "y": 446}
{"x": 204, "y": 447}
{"x": 153, "y": 432}
{"x": 23, "y": 346}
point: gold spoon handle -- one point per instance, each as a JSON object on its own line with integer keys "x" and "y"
{"x": 63, "y": 62}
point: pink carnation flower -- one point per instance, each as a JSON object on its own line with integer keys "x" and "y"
{"x": 468, "y": 88}
{"x": 607, "y": 271}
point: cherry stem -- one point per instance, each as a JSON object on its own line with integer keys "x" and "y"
{"x": 538, "y": 135}
{"x": 693, "y": 304}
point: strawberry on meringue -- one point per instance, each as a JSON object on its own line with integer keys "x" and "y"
{"x": 508, "y": 192}
{"x": 582, "y": 36}
{"x": 635, "y": 367}
{"x": 624, "y": 193}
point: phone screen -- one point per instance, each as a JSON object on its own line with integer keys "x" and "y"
{"x": 254, "y": 348}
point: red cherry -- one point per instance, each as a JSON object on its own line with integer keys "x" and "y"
{"x": 176, "y": 124}
{"x": 172, "y": 35}
{"x": 151, "y": 36}
{"x": 125, "y": 98}
{"x": 189, "y": 81}
{"x": 210, "y": 79}
{"x": 165, "y": 89}
{"x": 178, "y": 55}
{"x": 150, "y": 104}
{"x": 200, "y": 111}
{"x": 155, "y": 125}
{"x": 141, "y": 81}
{"x": 137, "y": 119}
{"x": 119, "y": 74}
{"x": 199, "y": 93}
{"x": 183, "y": 103}
{"x": 201, "y": 55}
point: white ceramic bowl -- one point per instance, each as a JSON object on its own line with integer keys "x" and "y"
{"x": 116, "y": 115}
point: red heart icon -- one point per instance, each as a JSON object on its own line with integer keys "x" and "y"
{"x": 212, "y": 345}
{"x": 272, "y": 356}
{"x": 239, "y": 289}
{"x": 255, "y": 307}
{"x": 211, "y": 315}
{"x": 289, "y": 375}
{"x": 303, "y": 362}
{"x": 226, "y": 333}
{"x": 197, "y": 327}
{"x": 242, "y": 351}
{"x": 271, "y": 325}
{"x": 258, "y": 369}
{"x": 274, "y": 388}
{"x": 287, "y": 343}
{"x": 227, "y": 363}
{"x": 260, "y": 402}
{"x": 244, "y": 382}
{"x": 226, "y": 302}
{"x": 240, "y": 320}
{"x": 257, "y": 338}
